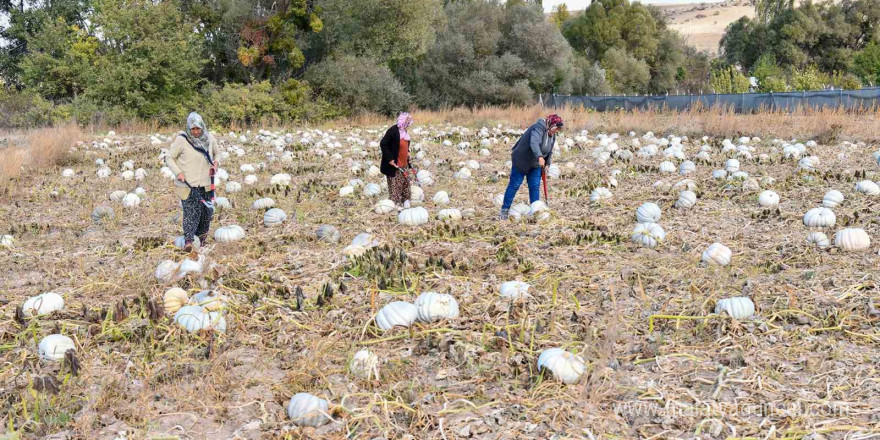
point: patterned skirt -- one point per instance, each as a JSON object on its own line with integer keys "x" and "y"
{"x": 398, "y": 188}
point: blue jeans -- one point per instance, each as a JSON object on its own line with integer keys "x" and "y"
{"x": 516, "y": 179}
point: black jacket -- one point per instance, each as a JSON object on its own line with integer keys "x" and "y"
{"x": 390, "y": 145}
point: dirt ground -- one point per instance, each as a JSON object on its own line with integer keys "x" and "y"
{"x": 659, "y": 362}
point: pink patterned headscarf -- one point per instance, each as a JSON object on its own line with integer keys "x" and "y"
{"x": 403, "y": 122}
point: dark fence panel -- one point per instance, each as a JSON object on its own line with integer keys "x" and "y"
{"x": 864, "y": 99}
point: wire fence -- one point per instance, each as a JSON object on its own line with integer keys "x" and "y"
{"x": 854, "y": 100}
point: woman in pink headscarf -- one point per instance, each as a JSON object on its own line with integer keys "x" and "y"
{"x": 395, "y": 159}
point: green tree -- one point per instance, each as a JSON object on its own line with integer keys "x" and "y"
{"x": 729, "y": 80}
{"x": 867, "y": 63}
{"x": 149, "y": 62}
{"x": 625, "y": 73}
{"x": 767, "y": 10}
{"x": 807, "y": 79}
{"x": 357, "y": 85}
{"x": 59, "y": 61}
{"x": 386, "y": 30}
{"x": 560, "y": 15}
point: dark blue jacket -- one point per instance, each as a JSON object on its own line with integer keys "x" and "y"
{"x": 527, "y": 150}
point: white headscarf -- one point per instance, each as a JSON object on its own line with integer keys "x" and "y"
{"x": 195, "y": 120}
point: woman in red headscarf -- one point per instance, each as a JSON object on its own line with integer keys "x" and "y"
{"x": 395, "y": 159}
{"x": 529, "y": 156}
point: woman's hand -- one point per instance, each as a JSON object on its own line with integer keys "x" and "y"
{"x": 541, "y": 162}
{"x": 181, "y": 177}
{"x": 394, "y": 163}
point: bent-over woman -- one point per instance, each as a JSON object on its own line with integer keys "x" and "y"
{"x": 530, "y": 154}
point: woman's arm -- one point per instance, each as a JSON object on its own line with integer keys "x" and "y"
{"x": 171, "y": 157}
{"x": 391, "y": 138}
{"x": 536, "y": 139}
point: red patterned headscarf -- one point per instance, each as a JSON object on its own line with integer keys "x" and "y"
{"x": 554, "y": 120}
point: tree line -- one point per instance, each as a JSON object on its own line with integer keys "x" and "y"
{"x": 259, "y": 61}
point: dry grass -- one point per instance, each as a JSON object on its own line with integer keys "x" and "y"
{"x": 805, "y": 124}
{"x": 36, "y": 149}
{"x": 812, "y": 345}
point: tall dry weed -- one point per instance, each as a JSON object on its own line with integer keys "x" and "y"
{"x": 45, "y": 147}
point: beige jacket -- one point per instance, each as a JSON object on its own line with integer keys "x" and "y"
{"x": 183, "y": 158}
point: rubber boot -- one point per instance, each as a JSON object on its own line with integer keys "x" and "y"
{"x": 503, "y": 214}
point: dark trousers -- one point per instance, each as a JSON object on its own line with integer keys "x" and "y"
{"x": 196, "y": 216}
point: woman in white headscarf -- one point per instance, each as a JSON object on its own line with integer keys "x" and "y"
{"x": 192, "y": 157}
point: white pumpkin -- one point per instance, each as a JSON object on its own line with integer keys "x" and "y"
{"x": 43, "y": 304}
{"x": 372, "y": 190}
{"x": 686, "y": 167}
{"x": 209, "y": 300}
{"x": 247, "y": 168}
{"x": 131, "y": 200}
{"x": 68, "y": 172}
{"x": 54, "y": 347}
{"x": 732, "y": 165}
{"x": 820, "y": 218}
{"x": 514, "y": 289}
{"x": 686, "y": 200}
{"x": 366, "y": 240}
{"x": 413, "y": 216}
{"x": 104, "y": 172}
{"x": 434, "y": 306}
{"x": 537, "y": 207}
{"x": 228, "y": 234}
{"x": 416, "y": 194}
{"x": 852, "y": 239}
{"x": 194, "y": 319}
{"x": 832, "y": 199}
{"x": 648, "y": 213}
{"x": 165, "y": 271}
{"x": 364, "y": 364}
{"x": 189, "y": 266}
{"x": 600, "y": 194}
{"x": 250, "y": 179}
{"x": 768, "y": 199}
{"x": 328, "y": 234}
{"x": 498, "y": 199}
{"x": 222, "y": 203}
{"x": 425, "y": 178}
{"x": 233, "y": 187}
{"x": 140, "y": 174}
{"x": 667, "y": 167}
{"x": 127, "y": 175}
{"x": 441, "y": 198}
{"x": 554, "y": 172}
{"x": 564, "y": 365}
{"x": 868, "y": 187}
{"x": 173, "y": 299}
{"x": 519, "y": 210}
{"x": 264, "y": 203}
{"x": 374, "y": 171}
{"x": 396, "y": 314}
{"x": 274, "y": 217}
{"x": 718, "y": 254}
{"x": 281, "y": 179}
{"x": 180, "y": 242}
{"x": 7, "y": 241}
{"x": 463, "y": 174}
{"x": 346, "y": 191}
{"x": 648, "y": 234}
{"x": 102, "y": 212}
{"x": 450, "y": 214}
{"x": 384, "y": 207}
{"x": 118, "y": 195}
{"x": 818, "y": 239}
{"x": 719, "y": 174}
{"x": 305, "y": 409}
{"x": 738, "y": 307}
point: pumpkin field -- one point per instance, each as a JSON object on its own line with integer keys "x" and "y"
{"x": 689, "y": 287}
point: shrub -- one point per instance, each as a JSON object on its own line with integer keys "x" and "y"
{"x": 809, "y": 79}
{"x": 729, "y": 80}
